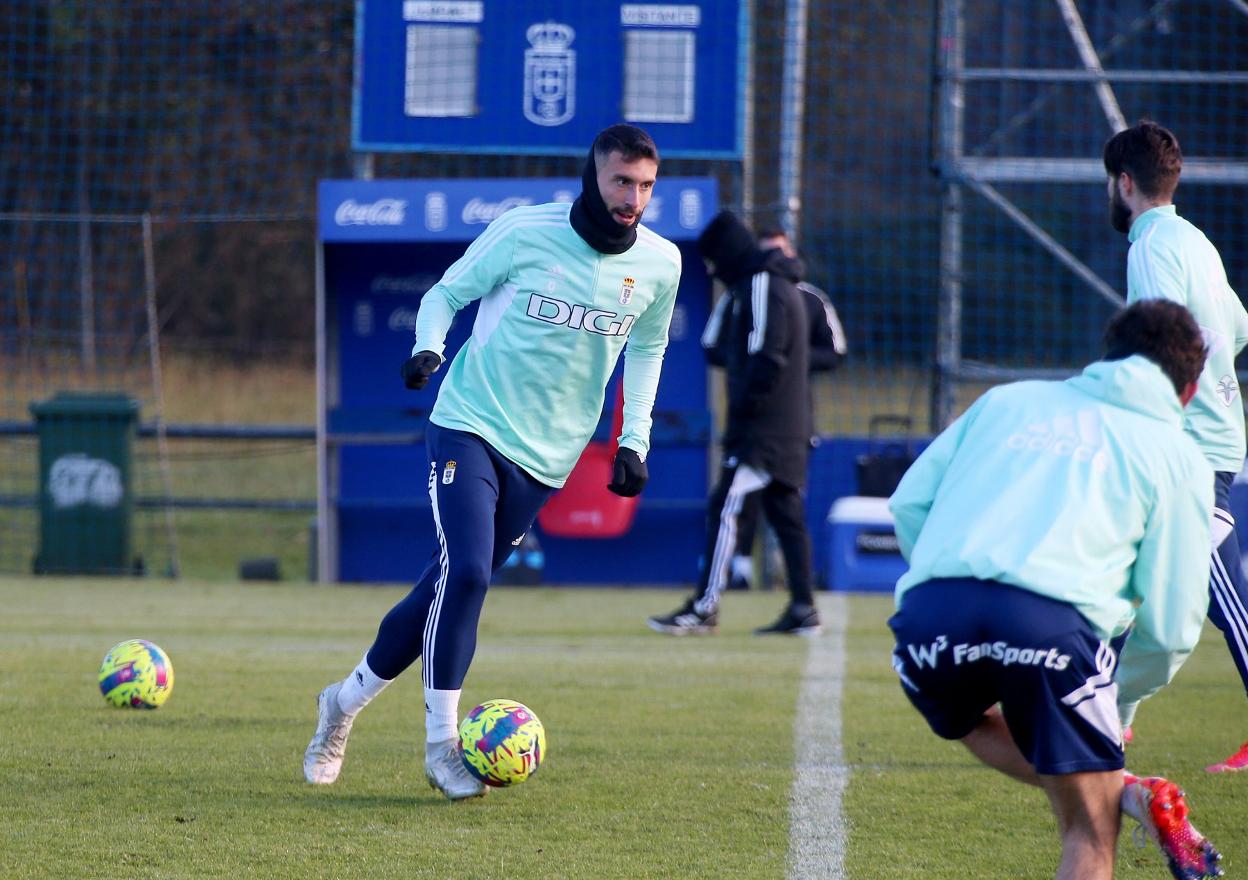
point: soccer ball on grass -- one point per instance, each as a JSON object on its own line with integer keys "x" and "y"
{"x": 137, "y": 674}
{"x": 502, "y": 742}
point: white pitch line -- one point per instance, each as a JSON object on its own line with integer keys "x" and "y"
{"x": 817, "y": 828}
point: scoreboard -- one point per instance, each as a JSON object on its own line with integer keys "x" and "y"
{"x": 545, "y": 76}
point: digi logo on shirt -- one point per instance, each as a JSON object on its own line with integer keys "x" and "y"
{"x": 576, "y": 317}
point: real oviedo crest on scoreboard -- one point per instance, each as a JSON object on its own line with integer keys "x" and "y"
{"x": 544, "y": 76}
{"x": 550, "y": 74}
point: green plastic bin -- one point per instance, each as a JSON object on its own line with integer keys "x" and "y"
{"x": 85, "y": 500}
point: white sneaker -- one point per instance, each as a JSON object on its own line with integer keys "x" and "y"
{"x": 685, "y": 620}
{"x": 444, "y": 768}
{"x": 322, "y": 762}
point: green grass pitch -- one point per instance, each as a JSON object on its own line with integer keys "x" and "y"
{"x": 667, "y": 758}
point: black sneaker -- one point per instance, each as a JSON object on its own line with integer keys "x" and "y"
{"x": 797, "y": 620}
{"x": 685, "y": 621}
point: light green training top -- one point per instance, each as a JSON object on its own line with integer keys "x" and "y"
{"x": 1086, "y": 491}
{"x": 553, "y": 318}
{"x": 1171, "y": 259}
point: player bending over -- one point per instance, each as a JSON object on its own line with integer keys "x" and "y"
{"x": 1039, "y": 526}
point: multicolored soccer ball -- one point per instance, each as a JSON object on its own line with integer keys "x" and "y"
{"x": 503, "y": 742}
{"x": 137, "y": 674}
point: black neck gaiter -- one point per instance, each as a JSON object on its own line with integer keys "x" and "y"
{"x": 591, "y": 219}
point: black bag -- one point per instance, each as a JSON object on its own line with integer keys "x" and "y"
{"x": 888, "y": 456}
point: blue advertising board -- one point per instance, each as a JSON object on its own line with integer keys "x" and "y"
{"x": 458, "y": 210}
{"x": 545, "y": 76}
{"x": 383, "y": 244}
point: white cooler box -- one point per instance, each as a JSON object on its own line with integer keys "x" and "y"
{"x": 863, "y": 552}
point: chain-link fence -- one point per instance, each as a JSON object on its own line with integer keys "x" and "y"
{"x": 938, "y": 162}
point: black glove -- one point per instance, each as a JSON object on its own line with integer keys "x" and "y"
{"x": 629, "y": 475}
{"x": 418, "y": 368}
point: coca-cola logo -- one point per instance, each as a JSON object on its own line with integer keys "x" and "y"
{"x": 77, "y": 479}
{"x": 402, "y": 284}
{"x": 402, "y": 319}
{"x": 383, "y": 212}
{"x": 481, "y": 211}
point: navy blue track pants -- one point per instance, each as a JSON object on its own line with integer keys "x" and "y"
{"x": 1228, "y": 590}
{"x": 785, "y": 511}
{"x": 483, "y": 504}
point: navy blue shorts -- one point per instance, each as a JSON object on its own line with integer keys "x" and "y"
{"x": 965, "y": 645}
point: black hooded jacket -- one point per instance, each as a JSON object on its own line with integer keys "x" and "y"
{"x": 767, "y": 352}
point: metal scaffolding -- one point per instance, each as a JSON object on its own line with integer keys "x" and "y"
{"x": 961, "y": 170}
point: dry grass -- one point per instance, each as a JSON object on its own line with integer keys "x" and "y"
{"x": 215, "y": 392}
{"x": 198, "y": 387}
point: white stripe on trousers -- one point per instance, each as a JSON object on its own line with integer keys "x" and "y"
{"x": 745, "y": 482}
{"x": 439, "y": 587}
{"x": 759, "y": 288}
{"x": 1222, "y": 590}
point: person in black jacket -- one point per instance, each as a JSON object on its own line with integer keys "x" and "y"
{"x": 828, "y": 350}
{"x": 767, "y": 437}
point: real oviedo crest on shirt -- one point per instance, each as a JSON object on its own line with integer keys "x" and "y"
{"x": 626, "y": 291}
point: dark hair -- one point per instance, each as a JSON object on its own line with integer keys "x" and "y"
{"x": 770, "y": 230}
{"x": 728, "y": 243}
{"x": 1150, "y": 154}
{"x": 629, "y": 141}
{"x": 1162, "y": 331}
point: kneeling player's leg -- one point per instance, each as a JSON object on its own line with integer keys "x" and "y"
{"x": 992, "y": 742}
{"x": 1058, "y": 725}
{"x": 1088, "y": 819}
{"x": 1060, "y": 703}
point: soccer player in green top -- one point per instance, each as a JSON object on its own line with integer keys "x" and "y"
{"x": 563, "y": 290}
{"x": 1172, "y": 259}
{"x": 1038, "y": 527}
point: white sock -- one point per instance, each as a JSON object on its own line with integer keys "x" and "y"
{"x": 1134, "y": 799}
{"x": 359, "y": 688}
{"x": 441, "y": 715}
{"x": 743, "y": 567}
